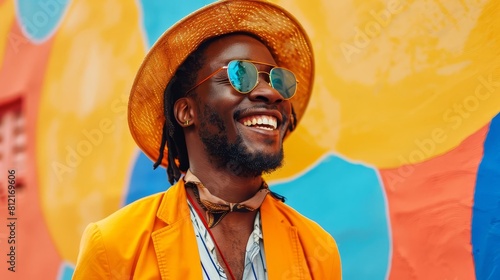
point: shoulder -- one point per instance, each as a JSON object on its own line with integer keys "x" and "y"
{"x": 142, "y": 210}
{"x": 292, "y": 217}
{"x": 113, "y": 245}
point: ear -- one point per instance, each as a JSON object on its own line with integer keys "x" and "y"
{"x": 184, "y": 111}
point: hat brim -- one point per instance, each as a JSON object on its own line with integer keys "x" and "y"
{"x": 279, "y": 30}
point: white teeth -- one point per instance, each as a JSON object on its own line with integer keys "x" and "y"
{"x": 265, "y": 127}
{"x": 273, "y": 123}
{"x": 268, "y": 122}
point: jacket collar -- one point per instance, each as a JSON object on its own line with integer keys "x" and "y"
{"x": 175, "y": 244}
{"x": 177, "y": 250}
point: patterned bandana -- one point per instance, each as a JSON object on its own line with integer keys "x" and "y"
{"x": 217, "y": 208}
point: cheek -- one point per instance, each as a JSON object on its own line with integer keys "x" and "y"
{"x": 224, "y": 102}
{"x": 214, "y": 118}
{"x": 222, "y": 96}
{"x": 287, "y": 111}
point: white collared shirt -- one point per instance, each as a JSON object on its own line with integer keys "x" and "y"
{"x": 255, "y": 261}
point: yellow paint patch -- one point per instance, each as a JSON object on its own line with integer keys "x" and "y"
{"x": 397, "y": 81}
{"x": 7, "y": 39}
{"x": 83, "y": 141}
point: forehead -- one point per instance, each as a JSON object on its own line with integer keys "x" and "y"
{"x": 236, "y": 46}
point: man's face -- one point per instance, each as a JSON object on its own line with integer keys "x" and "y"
{"x": 226, "y": 116}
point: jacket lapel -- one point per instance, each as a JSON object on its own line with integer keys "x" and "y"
{"x": 175, "y": 244}
{"x": 177, "y": 251}
{"x": 282, "y": 248}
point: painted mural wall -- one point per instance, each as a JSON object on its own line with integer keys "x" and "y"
{"x": 397, "y": 156}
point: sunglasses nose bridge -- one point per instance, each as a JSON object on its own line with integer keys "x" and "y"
{"x": 265, "y": 91}
{"x": 267, "y": 79}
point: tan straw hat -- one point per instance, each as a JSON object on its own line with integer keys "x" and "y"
{"x": 279, "y": 30}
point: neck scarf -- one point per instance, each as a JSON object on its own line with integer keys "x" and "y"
{"x": 217, "y": 208}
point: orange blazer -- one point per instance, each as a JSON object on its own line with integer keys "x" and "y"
{"x": 153, "y": 238}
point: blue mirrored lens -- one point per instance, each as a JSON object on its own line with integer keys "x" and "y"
{"x": 283, "y": 81}
{"x": 242, "y": 75}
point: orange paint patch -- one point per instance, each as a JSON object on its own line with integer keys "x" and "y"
{"x": 21, "y": 78}
{"x": 430, "y": 208}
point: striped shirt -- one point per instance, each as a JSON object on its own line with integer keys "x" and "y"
{"x": 255, "y": 261}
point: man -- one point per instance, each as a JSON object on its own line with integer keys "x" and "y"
{"x": 226, "y": 84}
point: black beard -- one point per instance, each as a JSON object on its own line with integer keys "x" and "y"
{"x": 234, "y": 156}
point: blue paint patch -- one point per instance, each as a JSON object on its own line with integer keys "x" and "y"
{"x": 348, "y": 201}
{"x": 39, "y": 18}
{"x": 159, "y": 15}
{"x": 486, "y": 210}
{"x": 145, "y": 181}
{"x": 66, "y": 271}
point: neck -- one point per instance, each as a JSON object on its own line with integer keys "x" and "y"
{"x": 225, "y": 184}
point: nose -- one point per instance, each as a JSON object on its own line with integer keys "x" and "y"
{"x": 265, "y": 92}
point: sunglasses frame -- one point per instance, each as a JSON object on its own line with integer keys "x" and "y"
{"x": 258, "y": 73}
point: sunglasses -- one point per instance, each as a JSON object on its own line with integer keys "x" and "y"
{"x": 243, "y": 76}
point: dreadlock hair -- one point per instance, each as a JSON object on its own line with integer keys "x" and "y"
{"x": 173, "y": 135}
{"x": 293, "y": 121}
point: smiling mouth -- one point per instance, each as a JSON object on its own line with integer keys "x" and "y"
{"x": 261, "y": 122}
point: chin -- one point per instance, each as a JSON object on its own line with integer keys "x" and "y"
{"x": 260, "y": 163}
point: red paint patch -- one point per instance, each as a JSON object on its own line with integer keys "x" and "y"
{"x": 430, "y": 208}
{"x": 21, "y": 78}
